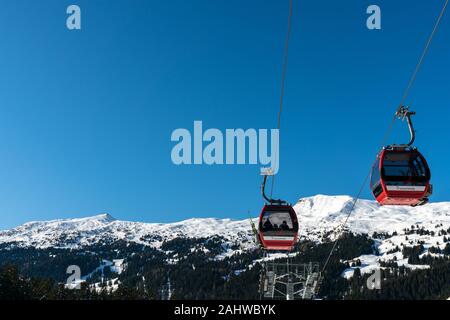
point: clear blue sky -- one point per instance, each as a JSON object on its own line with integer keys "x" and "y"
{"x": 86, "y": 116}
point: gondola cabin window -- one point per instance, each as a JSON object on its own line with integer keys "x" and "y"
{"x": 273, "y": 221}
{"x": 375, "y": 180}
{"x": 404, "y": 168}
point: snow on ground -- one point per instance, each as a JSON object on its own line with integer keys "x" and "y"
{"x": 100, "y": 268}
{"x": 369, "y": 263}
{"x": 273, "y": 256}
{"x": 390, "y": 249}
{"x": 317, "y": 216}
{"x": 108, "y": 285}
{"x": 76, "y": 284}
{"x": 118, "y": 266}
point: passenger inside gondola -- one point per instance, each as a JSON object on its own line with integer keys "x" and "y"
{"x": 284, "y": 226}
{"x": 268, "y": 225}
{"x": 278, "y": 227}
{"x": 274, "y": 221}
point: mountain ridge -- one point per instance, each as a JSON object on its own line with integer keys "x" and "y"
{"x": 403, "y": 243}
{"x": 318, "y": 215}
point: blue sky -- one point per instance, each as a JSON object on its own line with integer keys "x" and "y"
{"x": 86, "y": 116}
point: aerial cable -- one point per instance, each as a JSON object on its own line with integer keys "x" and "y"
{"x": 422, "y": 57}
{"x": 404, "y": 97}
{"x": 416, "y": 71}
{"x": 283, "y": 78}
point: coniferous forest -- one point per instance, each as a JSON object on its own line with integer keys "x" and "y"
{"x": 176, "y": 271}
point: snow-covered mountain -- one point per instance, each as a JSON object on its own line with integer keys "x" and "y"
{"x": 393, "y": 238}
{"x": 317, "y": 215}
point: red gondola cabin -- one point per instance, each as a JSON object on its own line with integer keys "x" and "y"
{"x": 278, "y": 227}
{"x": 401, "y": 176}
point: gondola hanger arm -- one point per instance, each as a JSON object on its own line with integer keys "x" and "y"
{"x": 265, "y": 173}
{"x": 404, "y": 113}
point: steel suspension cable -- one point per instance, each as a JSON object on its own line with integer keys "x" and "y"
{"x": 283, "y": 78}
{"x": 424, "y": 53}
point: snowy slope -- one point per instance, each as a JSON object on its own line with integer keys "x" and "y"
{"x": 75, "y": 233}
{"x": 317, "y": 215}
{"x": 390, "y": 249}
